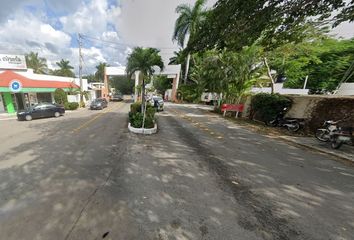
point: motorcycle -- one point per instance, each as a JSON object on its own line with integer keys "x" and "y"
{"x": 344, "y": 135}
{"x": 293, "y": 125}
{"x": 325, "y": 133}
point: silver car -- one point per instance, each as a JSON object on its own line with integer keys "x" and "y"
{"x": 157, "y": 102}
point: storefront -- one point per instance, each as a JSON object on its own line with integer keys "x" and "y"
{"x": 18, "y": 92}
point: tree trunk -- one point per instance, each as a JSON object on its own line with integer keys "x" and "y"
{"x": 269, "y": 75}
{"x": 143, "y": 96}
{"x": 187, "y": 68}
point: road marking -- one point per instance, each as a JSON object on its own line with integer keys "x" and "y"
{"x": 201, "y": 126}
{"x": 85, "y": 124}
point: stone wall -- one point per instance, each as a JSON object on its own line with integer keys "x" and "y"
{"x": 318, "y": 108}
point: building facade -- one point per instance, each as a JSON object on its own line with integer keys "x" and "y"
{"x": 31, "y": 89}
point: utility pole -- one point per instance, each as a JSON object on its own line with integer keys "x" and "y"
{"x": 80, "y": 70}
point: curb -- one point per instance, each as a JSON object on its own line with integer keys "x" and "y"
{"x": 318, "y": 149}
{"x": 337, "y": 155}
{"x": 144, "y": 131}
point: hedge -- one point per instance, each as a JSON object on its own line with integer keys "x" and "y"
{"x": 136, "y": 117}
{"x": 265, "y": 106}
{"x": 71, "y": 105}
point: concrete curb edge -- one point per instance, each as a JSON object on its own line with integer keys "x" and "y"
{"x": 145, "y": 131}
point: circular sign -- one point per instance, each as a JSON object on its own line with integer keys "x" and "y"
{"x": 15, "y": 86}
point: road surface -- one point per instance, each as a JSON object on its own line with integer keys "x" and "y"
{"x": 84, "y": 176}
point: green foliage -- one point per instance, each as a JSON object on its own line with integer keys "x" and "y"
{"x": 190, "y": 92}
{"x": 237, "y": 23}
{"x": 60, "y": 96}
{"x": 71, "y": 105}
{"x": 136, "y": 116}
{"x": 144, "y": 60}
{"x": 324, "y": 60}
{"x": 266, "y": 106}
{"x": 38, "y": 64}
{"x": 162, "y": 83}
{"x": 99, "y": 74}
{"x": 122, "y": 84}
{"x": 188, "y": 21}
{"x": 65, "y": 69}
{"x": 228, "y": 72}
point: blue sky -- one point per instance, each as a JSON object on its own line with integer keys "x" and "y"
{"x": 50, "y": 27}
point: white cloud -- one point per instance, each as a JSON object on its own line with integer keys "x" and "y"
{"x": 110, "y": 36}
{"x": 28, "y": 33}
{"x": 90, "y": 18}
{"x": 150, "y": 23}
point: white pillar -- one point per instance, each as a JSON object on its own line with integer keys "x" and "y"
{"x": 136, "y": 85}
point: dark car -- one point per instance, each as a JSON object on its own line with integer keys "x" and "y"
{"x": 117, "y": 97}
{"x": 41, "y": 110}
{"x": 99, "y": 103}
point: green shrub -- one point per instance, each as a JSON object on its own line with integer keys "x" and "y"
{"x": 136, "y": 120}
{"x": 136, "y": 107}
{"x": 71, "y": 105}
{"x": 136, "y": 117}
{"x": 60, "y": 96}
{"x": 190, "y": 93}
{"x": 265, "y": 107}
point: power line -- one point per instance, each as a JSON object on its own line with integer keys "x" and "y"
{"x": 127, "y": 45}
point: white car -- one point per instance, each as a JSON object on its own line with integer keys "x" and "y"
{"x": 209, "y": 97}
{"x": 157, "y": 102}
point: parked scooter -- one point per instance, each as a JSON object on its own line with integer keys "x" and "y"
{"x": 325, "y": 133}
{"x": 344, "y": 135}
{"x": 293, "y": 125}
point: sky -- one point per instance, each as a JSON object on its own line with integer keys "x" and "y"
{"x": 110, "y": 29}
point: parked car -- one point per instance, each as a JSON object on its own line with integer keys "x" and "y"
{"x": 99, "y": 103}
{"x": 41, "y": 110}
{"x": 117, "y": 97}
{"x": 209, "y": 97}
{"x": 157, "y": 102}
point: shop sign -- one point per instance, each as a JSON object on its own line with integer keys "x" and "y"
{"x": 12, "y": 61}
{"x": 15, "y": 86}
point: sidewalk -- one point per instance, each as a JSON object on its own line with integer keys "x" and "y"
{"x": 7, "y": 116}
{"x": 345, "y": 152}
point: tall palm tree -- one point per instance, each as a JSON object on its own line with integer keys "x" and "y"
{"x": 99, "y": 74}
{"x": 65, "y": 69}
{"x": 190, "y": 17}
{"x": 144, "y": 60}
{"x": 38, "y": 64}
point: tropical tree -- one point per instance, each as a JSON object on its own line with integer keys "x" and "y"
{"x": 228, "y": 73}
{"x": 186, "y": 25}
{"x": 144, "y": 60}
{"x": 38, "y": 64}
{"x": 237, "y": 23}
{"x": 65, "y": 69}
{"x": 323, "y": 62}
{"x": 100, "y": 68}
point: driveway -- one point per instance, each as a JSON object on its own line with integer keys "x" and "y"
{"x": 84, "y": 176}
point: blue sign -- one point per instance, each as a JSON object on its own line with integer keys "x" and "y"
{"x": 15, "y": 86}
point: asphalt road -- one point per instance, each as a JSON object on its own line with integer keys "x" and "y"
{"x": 84, "y": 176}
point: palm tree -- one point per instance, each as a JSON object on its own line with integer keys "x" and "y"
{"x": 177, "y": 58}
{"x": 99, "y": 74}
{"x": 65, "y": 69}
{"x": 144, "y": 60}
{"x": 38, "y": 64}
{"x": 190, "y": 17}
